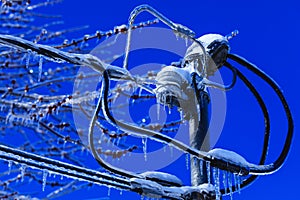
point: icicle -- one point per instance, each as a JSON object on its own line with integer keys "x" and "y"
{"x": 23, "y": 169}
{"x": 140, "y": 92}
{"x": 28, "y": 58}
{"x": 201, "y": 167}
{"x": 64, "y": 145}
{"x": 7, "y": 119}
{"x": 144, "y": 141}
{"x": 187, "y": 161}
{"x": 225, "y": 181}
{"x": 181, "y": 114}
{"x": 171, "y": 151}
{"x": 118, "y": 141}
{"x": 164, "y": 102}
{"x": 216, "y": 182}
{"x": 216, "y": 173}
{"x": 186, "y": 42}
{"x": 132, "y": 102}
{"x": 237, "y": 182}
{"x": 45, "y": 173}
{"x": 77, "y": 82}
{"x": 121, "y": 192}
{"x": 134, "y": 88}
{"x": 83, "y": 148}
{"x": 169, "y": 109}
{"x": 230, "y": 184}
{"x": 40, "y": 68}
{"x": 108, "y": 191}
{"x": 9, "y": 166}
{"x": 158, "y": 110}
{"x": 208, "y": 171}
{"x": 195, "y": 160}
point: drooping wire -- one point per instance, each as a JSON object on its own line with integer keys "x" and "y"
{"x": 267, "y": 169}
{"x": 264, "y": 109}
{"x": 105, "y": 165}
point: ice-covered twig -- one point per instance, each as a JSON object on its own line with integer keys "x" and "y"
{"x": 46, "y": 3}
{"x": 68, "y": 188}
{"x": 99, "y": 34}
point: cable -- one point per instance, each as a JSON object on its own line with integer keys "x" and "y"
{"x": 105, "y": 165}
{"x": 264, "y": 109}
{"x": 271, "y": 168}
{"x": 222, "y": 87}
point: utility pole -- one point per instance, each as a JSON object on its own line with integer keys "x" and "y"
{"x": 198, "y": 128}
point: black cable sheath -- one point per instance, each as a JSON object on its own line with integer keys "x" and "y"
{"x": 266, "y": 169}
{"x": 265, "y": 112}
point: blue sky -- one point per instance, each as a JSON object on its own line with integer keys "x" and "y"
{"x": 269, "y": 37}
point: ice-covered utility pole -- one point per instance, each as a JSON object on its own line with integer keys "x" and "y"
{"x": 198, "y": 124}
{"x": 202, "y": 60}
